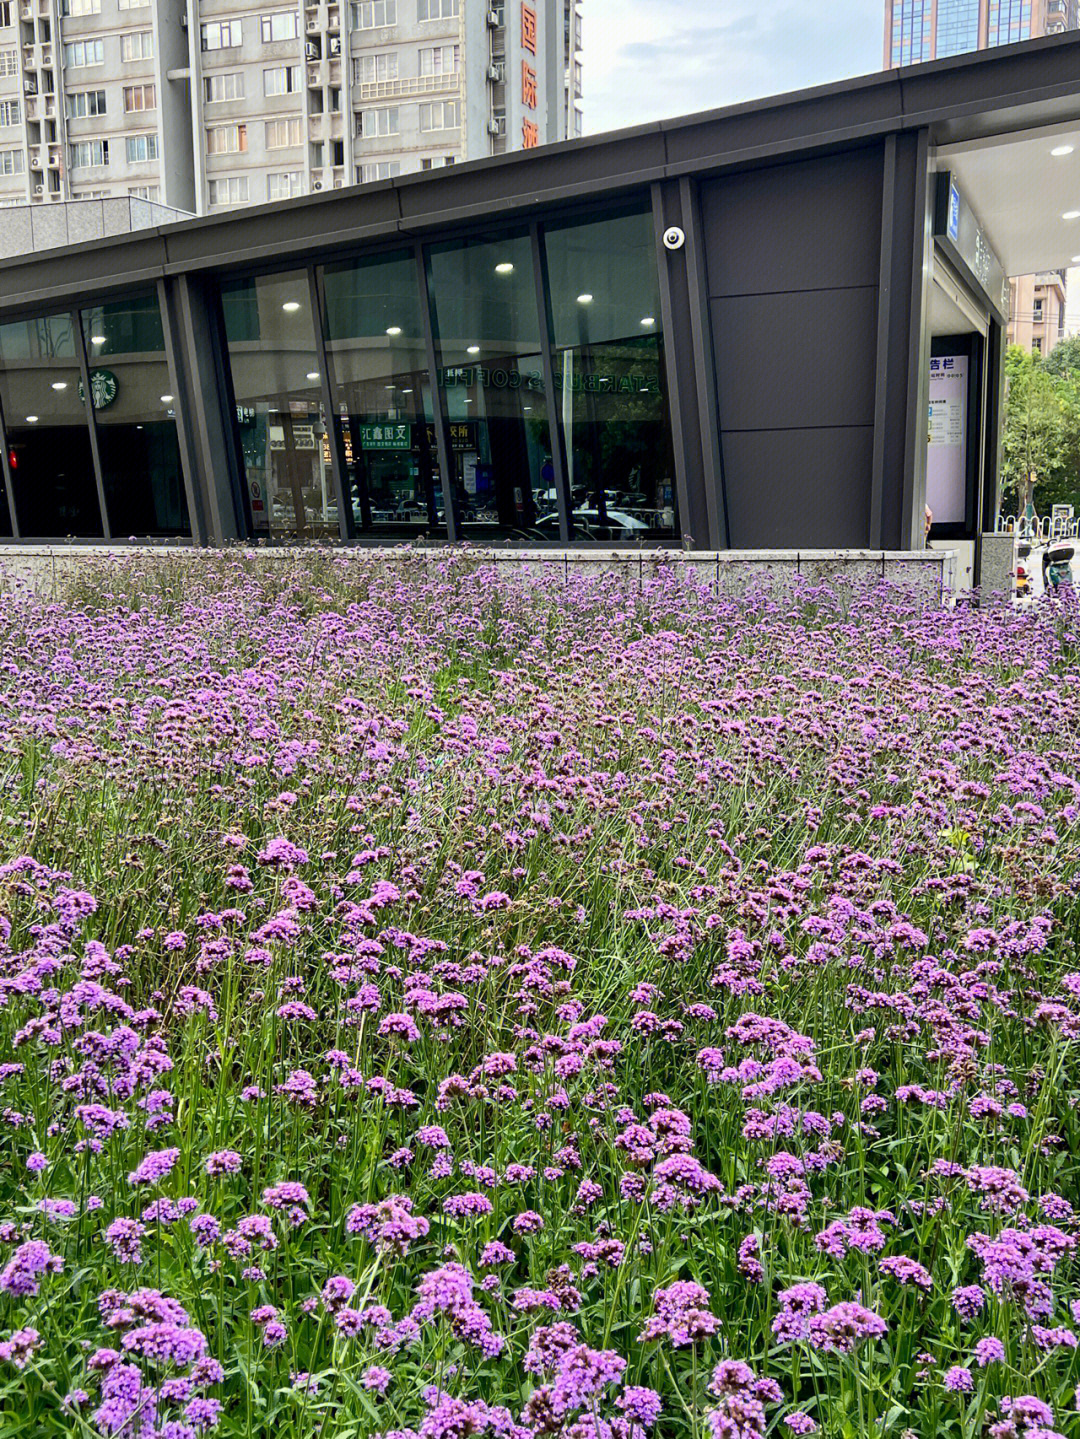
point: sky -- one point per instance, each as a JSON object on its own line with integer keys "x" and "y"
{"x": 646, "y": 59}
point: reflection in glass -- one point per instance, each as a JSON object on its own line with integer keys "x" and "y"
{"x": 488, "y": 342}
{"x": 609, "y": 373}
{"x": 52, "y": 469}
{"x": 382, "y": 395}
{"x": 135, "y": 417}
{"x": 271, "y": 342}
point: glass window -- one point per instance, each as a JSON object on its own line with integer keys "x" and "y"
{"x": 440, "y": 60}
{"x": 132, "y": 4}
{"x": 284, "y": 184}
{"x": 439, "y": 115}
{"x": 226, "y": 139}
{"x": 84, "y": 52}
{"x": 375, "y": 69}
{"x": 7, "y": 8}
{"x": 85, "y": 154}
{"x": 81, "y": 7}
{"x": 382, "y": 395}
{"x": 376, "y": 123}
{"x": 9, "y": 62}
{"x": 222, "y": 34}
{"x": 490, "y": 374}
{"x": 280, "y": 134}
{"x": 436, "y": 9}
{"x": 271, "y": 342}
{"x": 281, "y": 80}
{"x": 11, "y": 162}
{"x": 139, "y": 97}
{"x": 609, "y": 372}
{"x": 145, "y": 192}
{"x": 371, "y": 14}
{"x": 378, "y": 170}
{"x": 48, "y": 441}
{"x": 229, "y": 85}
{"x": 229, "y": 190}
{"x": 133, "y": 411}
{"x": 137, "y": 45}
{"x": 9, "y": 113}
{"x": 140, "y": 148}
{"x": 279, "y": 26}
{"x": 85, "y": 103}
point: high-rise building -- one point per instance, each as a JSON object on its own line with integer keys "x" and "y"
{"x": 210, "y": 104}
{"x": 917, "y": 30}
{"x": 1037, "y": 310}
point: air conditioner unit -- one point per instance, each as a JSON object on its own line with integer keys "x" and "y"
{"x": 493, "y": 19}
{"x": 495, "y": 72}
{"x": 183, "y": 20}
{"x": 494, "y": 127}
{"x": 335, "y": 44}
{"x": 39, "y": 189}
{"x": 316, "y": 184}
{"x": 35, "y": 162}
{"x": 54, "y": 162}
{"x": 311, "y": 50}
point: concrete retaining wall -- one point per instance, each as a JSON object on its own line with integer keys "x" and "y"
{"x": 47, "y": 569}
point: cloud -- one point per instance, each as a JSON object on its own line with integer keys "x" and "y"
{"x": 644, "y": 60}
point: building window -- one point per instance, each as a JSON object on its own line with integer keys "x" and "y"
{"x": 132, "y": 4}
{"x": 9, "y": 62}
{"x": 228, "y": 85}
{"x": 375, "y": 335}
{"x": 226, "y": 139}
{"x": 222, "y": 35}
{"x": 282, "y": 80}
{"x": 609, "y": 367}
{"x": 84, "y": 52}
{"x": 12, "y": 162}
{"x": 6, "y": 10}
{"x": 374, "y": 69}
{"x": 137, "y": 45}
{"x": 1036, "y": 346}
{"x": 88, "y": 153}
{"x": 436, "y": 9}
{"x": 85, "y": 103}
{"x": 9, "y": 113}
{"x": 280, "y": 134}
{"x": 373, "y": 14}
{"x": 284, "y": 184}
{"x": 436, "y": 162}
{"x": 52, "y": 469}
{"x": 145, "y": 192}
{"x": 270, "y": 335}
{"x": 140, "y": 456}
{"x": 439, "y": 115}
{"x": 139, "y": 97}
{"x": 279, "y": 26}
{"x": 379, "y": 170}
{"x": 141, "y": 148}
{"x": 374, "y": 124}
{"x": 1037, "y": 306}
{"x": 81, "y": 7}
{"x": 229, "y": 190}
{"x": 440, "y": 60}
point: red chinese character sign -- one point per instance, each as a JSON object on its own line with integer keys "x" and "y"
{"x": 528, "y": 29}
{"x": 530, "y": 135}
{"x": 528, "y": 85}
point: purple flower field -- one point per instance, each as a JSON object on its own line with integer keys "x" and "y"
{"x": 433, "y": 1005}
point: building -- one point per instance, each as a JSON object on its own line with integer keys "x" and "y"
{"x": 206, "y": 105}
{"x": 569, "y": 346}
{"x": 920, "y": 30}
{"x": 1037, "y": 310}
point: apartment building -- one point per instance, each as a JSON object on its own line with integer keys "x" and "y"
{"x": 1037, "y": 310}
{"x": 206, "y": 105}
{"x": 918, "y": 30}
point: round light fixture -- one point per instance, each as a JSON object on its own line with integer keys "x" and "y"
{"x": 59, "y": 384}
{"x": 97, "y": 339}
{"x": 394, "y": 330}
{"x": 1075, "y": 260}
{"x": 312, "y": 375}
{"x": 291, "y": 306}
{"x": 504, "y": 268}
{"x": 166, "y": 399}
{"x": 31, "y": 419}
{"x": 1062, "y": 150}
{"x": 473, "y": 350}
{"x": 406, "y": 392}
{"x": 648, "y": 320}
{"x": 584, "y": 299}
{"x": 1071, "y": 215}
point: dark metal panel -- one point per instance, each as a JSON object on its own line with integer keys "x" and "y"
{"x": 704, "y": 371}
{"x": 551, "y": 399}
{"x": 5, "y": 466}
{"x": 798, "y": 489}
{"x": 443, "y": 446}
{"x": 346, "y": 527}
{"x": 906, "y": 530}
{"x": 884, "y": 320}
{"x": 797, "y": 361}
{"x": 182, "y": 409}
{"x": 671, "y": 266}
{"x": 91, "y": 419}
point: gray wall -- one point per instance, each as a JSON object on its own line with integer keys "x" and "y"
{"x": 793, "y": 263}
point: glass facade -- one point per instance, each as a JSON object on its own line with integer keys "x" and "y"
{"x": 376, "y": 357}
{"x": 957, "y": 27}
{"x": 134, "y": 411}
{"x": 270, "y": 334}
{"x": 1008, "y": 21}
{"x": 910, "y": 42}
{"x": 46, "y": 429}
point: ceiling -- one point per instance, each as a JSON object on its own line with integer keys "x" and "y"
{"x": 1020, "y": 192}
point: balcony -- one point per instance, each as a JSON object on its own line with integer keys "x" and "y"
{"x": 412, "y": 85}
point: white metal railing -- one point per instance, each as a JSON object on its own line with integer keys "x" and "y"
{"x": 1041, "y": 530}
{"x": 412, "y": 85}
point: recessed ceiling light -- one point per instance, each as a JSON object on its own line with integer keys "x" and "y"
{"x": 467, "y": 400}
{"x": 1075, "y": 260}
{"x": 1062, "y": 150}
{"x": 526, "y": 408}
{"x": 166, "y": 399}
{"x": 97, "y": 339}
{"x": 473, "y": 350}
{"x": 31, "y": 419}
{"x": 394, "y": 330}
{"x": 1071, "y": 215}
{"x": 648, "y": 320}
{"x": 291, "y": 306}
{"x": 59, "y": 384}
{"x": 313, "y": 374}
{"x": 504, "y": 268}
{"x": 406, "y": 392}
{"x": 584, "y": 299}
{"x": 390, "y": 387}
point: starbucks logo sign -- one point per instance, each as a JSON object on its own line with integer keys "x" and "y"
{"x": 103, "y": 389}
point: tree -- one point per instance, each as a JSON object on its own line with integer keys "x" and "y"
{"x": 1064, "y": 358}
{"x": 1035, "y": 438}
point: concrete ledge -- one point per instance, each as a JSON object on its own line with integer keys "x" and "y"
{"x": 46, "y": 570}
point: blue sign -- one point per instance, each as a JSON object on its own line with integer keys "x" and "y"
{"x": 953, "y": 226}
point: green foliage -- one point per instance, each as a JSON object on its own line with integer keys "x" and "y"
{"x": 1042, "y": 428}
